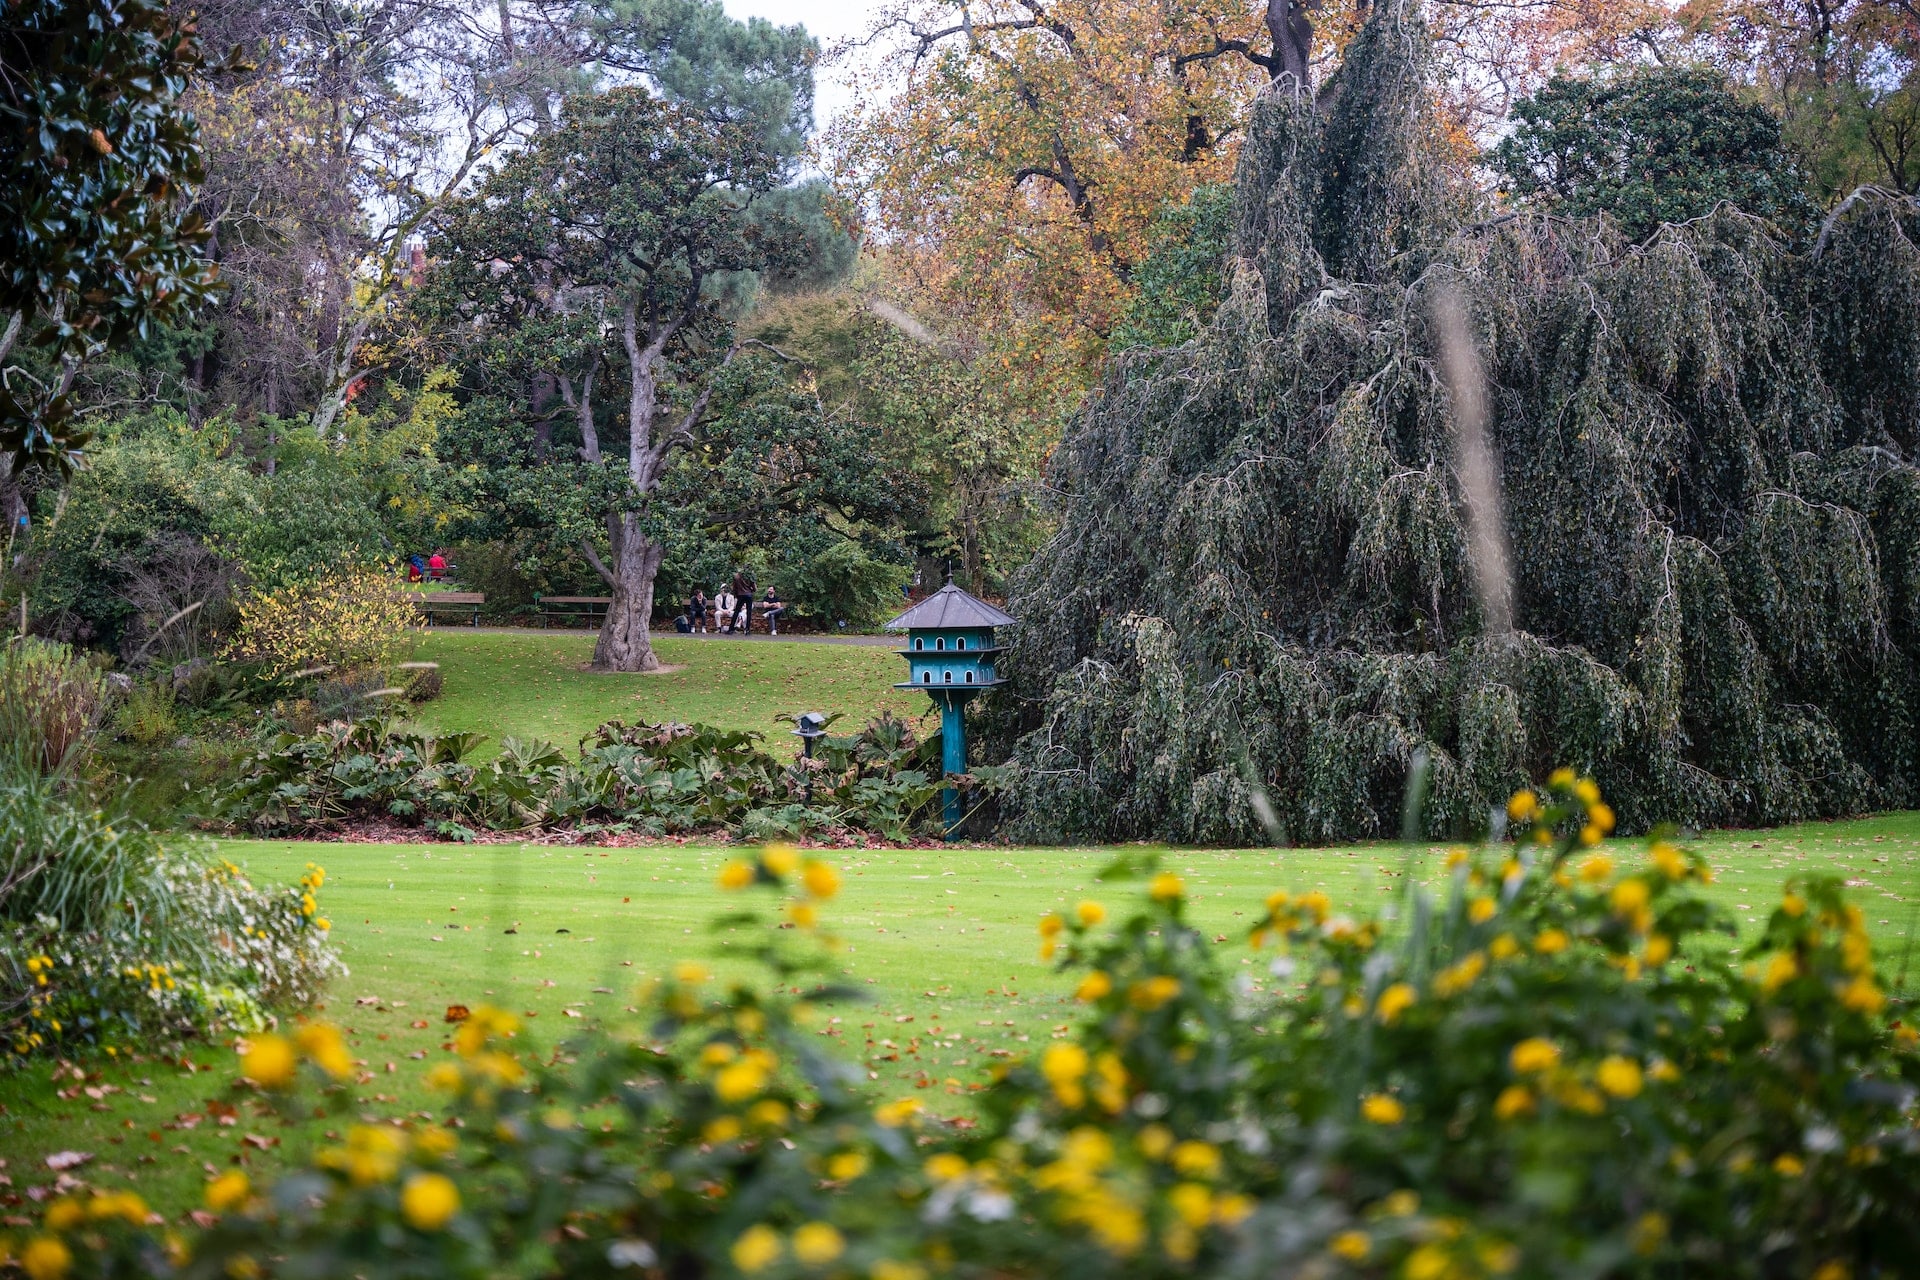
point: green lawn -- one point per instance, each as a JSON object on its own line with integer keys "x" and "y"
{"x": 535, "y": 684}
{"x": 943, "y": 938}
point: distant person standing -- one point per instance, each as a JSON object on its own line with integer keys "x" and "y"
{"x": 771, "y": 607}
{"x": 697, "y": 610}
{"x": 743, "y": 595}
{"x": 437, "y": 566}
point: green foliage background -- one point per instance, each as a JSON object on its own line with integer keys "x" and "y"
{"x": 1260, "y": 606}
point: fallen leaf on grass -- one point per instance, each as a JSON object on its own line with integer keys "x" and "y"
{"x": 60, "y": 1160}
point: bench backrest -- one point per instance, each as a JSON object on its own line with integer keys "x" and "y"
{"x": 454, "y": 597}
{"x": 576, "y": 599}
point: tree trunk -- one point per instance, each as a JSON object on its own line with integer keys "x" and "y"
{"x": 626, "y": 643}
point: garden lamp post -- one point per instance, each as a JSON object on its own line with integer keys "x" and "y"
{"x": 949, "y": 655}
{"x": 810, "y": 728}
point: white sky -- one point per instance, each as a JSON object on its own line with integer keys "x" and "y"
{"x": 828, "y": 21}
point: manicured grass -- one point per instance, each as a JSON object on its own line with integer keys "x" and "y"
{"x": 942, "y": 938}
{"x": 534, "y": 684}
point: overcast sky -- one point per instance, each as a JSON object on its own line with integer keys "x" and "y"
{"x": 829, "y": 20}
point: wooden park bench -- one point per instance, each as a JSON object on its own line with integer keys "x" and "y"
{"x": 591, "y": 610}
{"x": 457, "y": 603}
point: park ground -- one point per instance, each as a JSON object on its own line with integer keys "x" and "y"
{"x": 941, "y": 939}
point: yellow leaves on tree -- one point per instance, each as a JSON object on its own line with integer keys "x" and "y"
{"x": 351, "y": 619}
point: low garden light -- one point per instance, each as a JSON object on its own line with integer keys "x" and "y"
{"x": 950, "y": 654}
{"x": 810, "y": 727}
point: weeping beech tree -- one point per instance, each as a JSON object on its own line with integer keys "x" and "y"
{"x": 1261, "y": 602}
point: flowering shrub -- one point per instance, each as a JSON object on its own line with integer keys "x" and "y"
{"x": 228, "y": 954}
{"x": 1555, "y": 1071}
{"x": 349, "y": 619}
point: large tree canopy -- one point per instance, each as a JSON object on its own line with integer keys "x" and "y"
{"x": 1661, "y": 145}
{"x": 1261, "y": 603}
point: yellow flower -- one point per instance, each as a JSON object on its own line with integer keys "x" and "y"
{"x": 1191, "y": 1203}
{"x": 888, "y": 1269}
{"x": 738, "y": 1081}
{"x": 736, "y": 875}
{"x": 822, "y": 881}
{"x": 1534, "y": 1055}
{"x": 1591, "y": 834}
{"x": 1514, "y": 1100}
{"x": 1560, "y": 779}
{"x": 1166, "y": 887}
{"x": 1659, "y": 949}
{"x": 1788, "y": 1166}
{"x": 845, "y": 1166}
{"x": 1794, "y": 905}
{"x": 892, "y": 1115}
{"x": 1503, "y": 947}
{"x": 1481, "y": 910}
{"x": 1354, "y": 1245}
{"x": 1600, "y": 815}
{"x": 1316, "y": 904}
{"x": 323, "y": 1044}
{"x": 64, "y": 1214}
{"x": 1394, "y": 1001}
{"x": 227, "y": 1191}
{"x": 818, "y": 1243}
{"x": 445, "y": 1077}
{"x": 1232, "y": 1209}
{"x": 756, "y": 1248}
{"x": 1667, "y": 860}
{"x": 1065, "y": 1065}
{"x": 268, "y": 1062}
{"x": 1090, "y": 913}
{"x": 690, "y": 972}
{"x": 946, "y": 1166}
{"x": 1151, "y": 993}
{"x": 1197, "y": 1159}
{"x": 1155, "y": 1141}
{"x": 1596, "y": 867}
{"x": 1649, "y": 1233}
{"x": 1833, "y": 1269}
{"x": 803, "y": 914}
{"x": 1619, "y": 1076}
{"x": 1428, "y": 1262}
{"x": 1523, "y": 806}
{"x": 1862, "y": 996}
{"x": 436, "y": 1142}
{"x": 781, "y": 859}
{"x": 45, "y": 1258}
{"x": 1629, "y": 898}
{"x": 1095, "y": 986}
{"x": 429, "y": 1201}
{"x": 1586, "y": 791}
{"x": 1551, "y": 942}
{"x": 1379, "y": 1108}
{"x": 769, "y": 1113}
{"x": 1782, "y": 968}
{"x": 1051, "y": 925}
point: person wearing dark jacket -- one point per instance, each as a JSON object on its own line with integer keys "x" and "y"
{"x": 743, "y": 593}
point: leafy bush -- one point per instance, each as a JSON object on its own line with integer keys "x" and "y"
{"x": 844, "y": 582}
{"x": 1556, "y": 1071}
{"x": 51, "y": 703}
{"x": 348, "y": 619}
{"x": 108, "y": 938}
{"x": 655, "y": 778}
{"x": 148, "y": 715}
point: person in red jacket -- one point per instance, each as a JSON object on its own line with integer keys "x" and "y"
{"x": 437, "y": 566}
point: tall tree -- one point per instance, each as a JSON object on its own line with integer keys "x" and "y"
{"x": 1657, "y": 146}
{"x": 618, "y": 235}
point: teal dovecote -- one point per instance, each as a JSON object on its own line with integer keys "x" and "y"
{"x": 950, "y": 657}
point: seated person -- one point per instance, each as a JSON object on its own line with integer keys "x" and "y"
{"x": 771, "y": 608}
